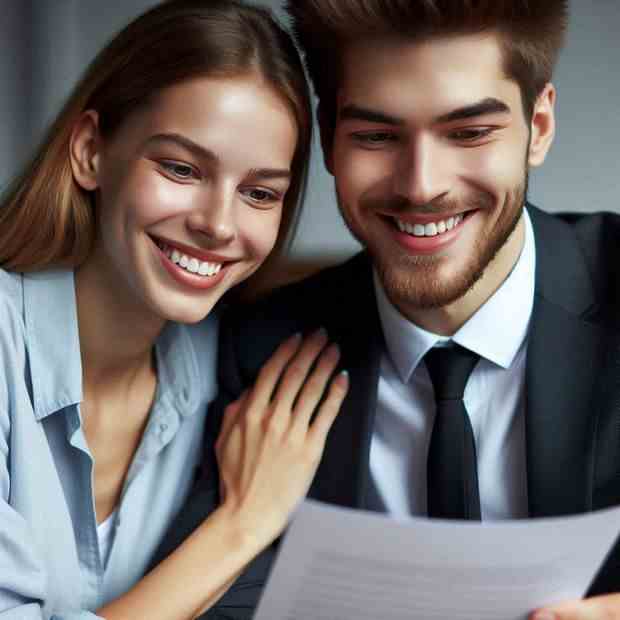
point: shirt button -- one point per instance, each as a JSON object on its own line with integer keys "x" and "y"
{"x": 163, "y": 428}
{"x": 185, "y": 394}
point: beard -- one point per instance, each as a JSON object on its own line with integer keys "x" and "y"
{"x": 414, "y": 281}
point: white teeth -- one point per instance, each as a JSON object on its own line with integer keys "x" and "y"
{"x": 429, "y": 230}
{"x": 190, "y": 263}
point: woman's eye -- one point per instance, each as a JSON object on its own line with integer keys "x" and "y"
{"x": 181, "y": 171}
{"x": 260, "y": 195}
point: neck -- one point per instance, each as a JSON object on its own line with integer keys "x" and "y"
{"x": 447, "y": 320}
{"x": 116, "y": 335}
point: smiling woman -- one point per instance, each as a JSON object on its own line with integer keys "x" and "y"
{"x": 173, "y": 172}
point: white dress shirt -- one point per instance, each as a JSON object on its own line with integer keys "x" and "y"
{"x": 494, "y": 399}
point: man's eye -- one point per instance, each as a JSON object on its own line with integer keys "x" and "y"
{"x": 181, "y": 171}
{"x": 375, "y": 138}
{"x": 470, "y": 135}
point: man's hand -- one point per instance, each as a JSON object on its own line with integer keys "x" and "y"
{"x": 605, "y": 607}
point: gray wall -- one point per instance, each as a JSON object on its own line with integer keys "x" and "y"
{"x": 44, "y": 44}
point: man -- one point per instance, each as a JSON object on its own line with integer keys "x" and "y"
{"x": 431, "y": 115}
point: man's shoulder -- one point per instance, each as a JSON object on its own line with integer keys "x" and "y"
{"x": 568, "y": 242}
{"x": 323, "y": 292}
{"x": 589, "y": 228}
{"x": 334, "y": 298}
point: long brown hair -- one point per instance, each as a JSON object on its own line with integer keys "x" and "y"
{"x": 46, "y": 218}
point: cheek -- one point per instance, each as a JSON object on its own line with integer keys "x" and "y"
{"x": 259, "y": 229}
{"x": 359, "y": 172}
{"x": 154, "y": 198}
{"x": 496, "y": 170}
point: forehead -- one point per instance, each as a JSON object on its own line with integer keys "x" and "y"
{"x": 238, "y": 118}
{"x": 432, "y": 76}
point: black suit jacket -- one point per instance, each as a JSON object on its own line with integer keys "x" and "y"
{"x": 572, "y": 416}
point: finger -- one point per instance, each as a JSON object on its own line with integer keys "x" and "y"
{"x": 595, "y": 608}
{"x": 314, "y": 387}
{"x": 231, "y": 413}
{"x": 297, "y": 371}
{"x": 329, "y": 408}
{"x": 271, "y": 372}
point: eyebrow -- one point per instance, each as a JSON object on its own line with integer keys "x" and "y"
{"x": 490, "y": 105}
{"x": 270, "y": 173}
{"x": 204, "y": 153}
{"x": 358, "y": 113}
{"x": 182, "y": 141}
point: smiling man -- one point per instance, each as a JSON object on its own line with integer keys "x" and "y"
{"x": 431, "y": 115}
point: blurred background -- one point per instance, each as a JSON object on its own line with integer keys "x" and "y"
{"x": 45, "y": 45}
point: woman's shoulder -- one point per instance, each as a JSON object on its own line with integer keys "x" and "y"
{"x": 11, "y": 302}
{"x": 12, "y": 335}
{"x": 11, "y": 285}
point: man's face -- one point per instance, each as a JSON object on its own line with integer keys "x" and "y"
{"x": 430, "y": 157}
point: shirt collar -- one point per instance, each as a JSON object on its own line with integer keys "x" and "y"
{"x": 496, "y": 331}
{"x": 52, "y": 340}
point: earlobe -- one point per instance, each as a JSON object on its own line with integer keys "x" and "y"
{"x": 542, "y": 126}
{"x": 84, "y": 150}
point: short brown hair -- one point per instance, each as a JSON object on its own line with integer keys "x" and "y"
{"x": 531, "y": 34}
{"x": 46, "y": 218}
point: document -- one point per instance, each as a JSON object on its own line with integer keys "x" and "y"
{"x": 342, "y": 564}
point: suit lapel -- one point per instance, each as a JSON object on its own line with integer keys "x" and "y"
{"x": 356, "y": 328}
{"x": 563, "y": 363}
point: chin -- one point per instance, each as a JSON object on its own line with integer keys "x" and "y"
{"x": 185, "y": 311}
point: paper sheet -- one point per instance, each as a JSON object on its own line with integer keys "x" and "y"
{"x": 341, "y": 564}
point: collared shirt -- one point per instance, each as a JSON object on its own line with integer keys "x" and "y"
{"x": 50, "y": 560}
{"x": 494, "y": 399}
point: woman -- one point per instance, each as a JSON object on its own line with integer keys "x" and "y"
{"x": 168, "y": 178}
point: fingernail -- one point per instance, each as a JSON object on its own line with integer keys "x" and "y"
{"x": 544, "y": 615}
{"x": 321, "y": 332}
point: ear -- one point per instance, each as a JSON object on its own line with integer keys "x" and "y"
{"x": 326, "y": 131}
{"x": 84, "y": 150}
{"x": 542, "y": 126}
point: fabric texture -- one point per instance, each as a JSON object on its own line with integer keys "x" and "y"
{"x": 51, "y": 564}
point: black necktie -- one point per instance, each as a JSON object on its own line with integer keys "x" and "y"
{"x": 452, "y": 476}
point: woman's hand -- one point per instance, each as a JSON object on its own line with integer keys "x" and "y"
{"x": 268, "y": 449}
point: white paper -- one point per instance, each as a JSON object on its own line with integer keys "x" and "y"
{"x": 341, "y": 564}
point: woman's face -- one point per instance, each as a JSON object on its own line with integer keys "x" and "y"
{"x": 190, "y": 193}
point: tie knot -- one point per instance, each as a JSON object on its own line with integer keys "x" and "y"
{"x": 449, "y": 368}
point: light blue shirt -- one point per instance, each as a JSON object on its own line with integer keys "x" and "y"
{"x": 494, "y": 399}
{"x": 50, "y": 561}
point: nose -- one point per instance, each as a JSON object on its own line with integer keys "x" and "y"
{"x": 422, "y": 172}
{"x": 214, "y": 215}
